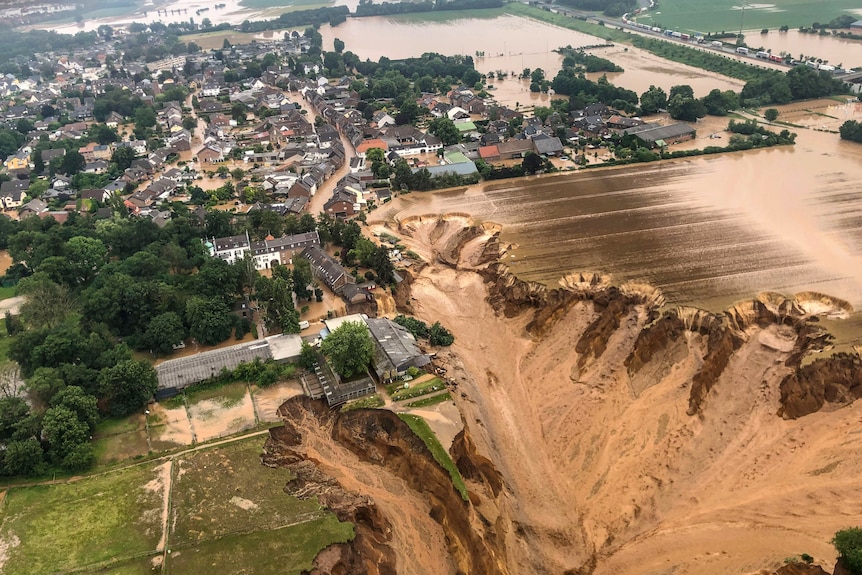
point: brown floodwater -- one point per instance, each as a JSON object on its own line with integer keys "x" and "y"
{"x": 707, "y": 231}
{"x": 833, "y": 49}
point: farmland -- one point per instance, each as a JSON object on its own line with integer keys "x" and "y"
{"x": 727, "y": 15}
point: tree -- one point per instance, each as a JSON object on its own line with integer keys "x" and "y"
{"x": 685, "y": 108}
{"x": 163, "y": 333}
{"x": 771, "y": 114}
{"x": 349, "y": 349}
{"x": 128, "y": 386}
{"x": 82, "y": 404}
{"x": 45, "y": 383}
{"x": 308, "y": 356}
{"x": 209, "y": 320}
{"x": 302, "y": 279}
{"x": 275, "y": 297}
{"x": 439, "y": 335}
{"x": 653, "y": 100}
{"x": 237, "y": 173}
{"x": 123, "y": 157}
{"x": 718, "y": 103}
{"x": 851, "y": 130}
{"x": 72, "y": 163}
{"x": 65, "y": 434}
{"x": 47, "y": 303}
{"x": 86, "y": 257}
{"x": 532, "y": 163}
{"x": 683, "y": 90}
{"x": 145, "y": 117}
{"x": 22, "y": 457}
{"x": 848, "y": 544}
{"x": 383, "y": 265}
{"x": 445, "y": 129}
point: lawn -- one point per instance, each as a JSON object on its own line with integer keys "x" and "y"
{"x": 118, "y": 439}
{"x": 133, "y": 567}
{"x": 725, "y": 15}
{"x": 7, "y": 291}
{"x": 433, "y": 400}
{"x": 57, "y": 528}
{"x": 290, "y": 550}
{"x": 424, "y": 388}
{"x": 226, "y": 490}
{"x": 228, "y": 395}
{"x": 369, "y": 402}
{"x": 441, "y": 456}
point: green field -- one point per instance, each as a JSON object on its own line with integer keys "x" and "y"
{"x": 724, "y": 15}
{"x": 424, "y": 388}
{"x": 57, "y": 528}
{"x": 227, "y": 513}
{"x": 226, "y": 490}
{"x": 288, "y": 551}
{"x": 433, "y": 400}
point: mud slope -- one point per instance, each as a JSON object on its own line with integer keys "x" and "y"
{"x": 605, "y": 437}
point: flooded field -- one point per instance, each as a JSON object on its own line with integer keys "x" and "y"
{"x": 707, "y": 231}
{"x": 835, "y": 50}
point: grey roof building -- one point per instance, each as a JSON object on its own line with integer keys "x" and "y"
{"x": 651, "y": 134}
{"x": 396, "y": 348}
{"x": 327, "y": 268}
{"x": 175, "y": 374}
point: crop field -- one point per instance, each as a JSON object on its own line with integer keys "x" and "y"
{"x": 213, "y": 507}
{"x": 728, "y": 15}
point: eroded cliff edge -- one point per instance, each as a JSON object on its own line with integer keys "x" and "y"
{"x": 596, "y": 419}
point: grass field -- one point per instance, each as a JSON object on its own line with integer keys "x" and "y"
{"x": 226, "y": 490}
{"x": 726, "y": 15}
{"x": 369, "y": 402}
{"x": 433, "y": 400}
{"x": 441, "y": 456}
{"x": 215, "y": 40}
{"x": 118, "y": 439}
{"x": 7, "y": 292}
{"x": 289, "y": 550}
{"x": 424, "y": 388}
{"x": 227, "y": 513}
{"x": 49, "y": 529}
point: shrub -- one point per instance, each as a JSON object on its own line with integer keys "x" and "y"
{"x": 848, "y": 544}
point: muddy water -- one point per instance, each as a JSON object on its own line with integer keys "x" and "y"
{"x": 834, "y": 50}
{"x": 707, "y": 231}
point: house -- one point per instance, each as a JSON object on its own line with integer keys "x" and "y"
{"x": 114, "y": 119}
{"x": 96, "y": 167}
{"x": 547, "y": 145}
{"x": 33, "y": 208}
{"x": 342, "y": 204}
{"x": 95, "y": 195}
{"x": 266, "y": 253}
{"x": 48, "y": 155}
{"x": 13, "y": 198}
{"x": 489, "y": 153}
{"x": 210, "y": 155}
{"x": 333, "y": 274}
{"x": 395, "y": 349}
{"x": 653, "y": 135}
{"x": 19, "y": 161}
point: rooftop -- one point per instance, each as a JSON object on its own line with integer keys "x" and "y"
{"x": 185, "y": 371}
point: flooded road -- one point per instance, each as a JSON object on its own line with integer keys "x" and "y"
{"x": 707, "y": 231}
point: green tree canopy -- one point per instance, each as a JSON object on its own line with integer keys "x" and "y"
{"x": 128, "y": 386}
{"x": 348, "y": 348}
{"x": 653, "y": 100}
{"x": 163, "y": 333}
{"x": 445, "y": 129}
{"x": 848, "y": 544}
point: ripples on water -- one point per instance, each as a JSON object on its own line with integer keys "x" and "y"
{"x": 707, "y": 231}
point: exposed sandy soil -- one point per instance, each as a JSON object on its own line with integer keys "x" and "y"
{"x": 267, "y": 400}
{"x": 444, "y": 419}
{"x": 5, "y": 261}
{"x": 169, "y": 427}
{"x": 419, "y": 542}
{"x": 211, "y": 418}
{"x": 607, "y": 471}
